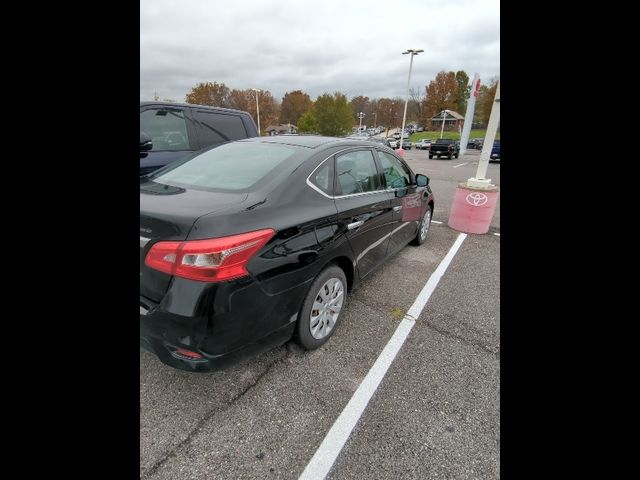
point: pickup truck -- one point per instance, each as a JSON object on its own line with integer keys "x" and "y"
{"x": 495, "y": 151}
{"x": 444, "y": 147}
{"x": 171, "y": 131}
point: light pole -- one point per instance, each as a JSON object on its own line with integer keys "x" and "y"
{"x": 375, "y": 119}
{"x": 468, "y": 117}
{"x": 480, "y": 179}
{"x": 413, "y": 52}
{"x": 360, "y": 116}
{"x": 444, "y": 117}
{"x": 257, "y": 108}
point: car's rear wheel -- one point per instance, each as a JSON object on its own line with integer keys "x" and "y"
{"x": 322, "y": 308}
{"x": 423, "y": 228}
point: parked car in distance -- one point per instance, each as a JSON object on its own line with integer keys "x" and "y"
{"x": 250, "y": 243}
{"x": 495, "y": 151}
{"x": 171, "y": 131}
{"x": 444, "y": 147}
{"x": 477, "y": 143}
{"x": 358, "y": 136}
{"x": 381, "y": 140}
{"x": 393, "y": 143}
{"x": 423, "y": 144}
{"x": 406, "y": 144}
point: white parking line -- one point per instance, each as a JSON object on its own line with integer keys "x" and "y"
{"x": 324, "y": 458}
{"x": 436, "y": 221}
{"x": 456, "y": 166}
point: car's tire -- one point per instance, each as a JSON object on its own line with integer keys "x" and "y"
{"x": 322, "y": 308}
{"x": 423, "y": 227}
{"x": 456, "y": 155}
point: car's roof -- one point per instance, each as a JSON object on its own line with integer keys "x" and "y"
{"x": 308, "y": 141}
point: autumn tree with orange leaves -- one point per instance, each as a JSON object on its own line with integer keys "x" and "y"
{"x": 213, "y": 94}
{"x": 485, "y": 100}
{"x": 294, "y": 104}
{"x": 441, "y": 94}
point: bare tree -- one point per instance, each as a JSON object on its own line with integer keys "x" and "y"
{"x": 416, "y": 105}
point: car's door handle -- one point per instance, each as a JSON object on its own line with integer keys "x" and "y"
{"x": 354, "y": 225}
{"x": 397, "y": 208}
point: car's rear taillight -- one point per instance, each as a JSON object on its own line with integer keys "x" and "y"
{"x": 211, "y": 260}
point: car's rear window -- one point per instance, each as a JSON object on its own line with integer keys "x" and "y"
{"x": 232, "y": 166}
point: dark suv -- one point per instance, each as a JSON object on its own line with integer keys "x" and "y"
{"x": 170, "y": 131}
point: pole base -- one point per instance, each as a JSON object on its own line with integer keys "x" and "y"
{"x": 473, "y": 208}
{"x": 480, "y": 183}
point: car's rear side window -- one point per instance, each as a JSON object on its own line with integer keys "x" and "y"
{"x": 219, "y": 128}
{"x": 323, "y": 177}
{"x": 233, "y": 166}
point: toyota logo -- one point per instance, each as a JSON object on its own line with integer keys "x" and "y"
{"x": 477, "y": 199}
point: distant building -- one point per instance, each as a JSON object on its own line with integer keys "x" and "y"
{"x": 452, "y": 121}
{"x": 281, "y": 129}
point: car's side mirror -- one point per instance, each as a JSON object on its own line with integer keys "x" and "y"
{"x": 145, "y": 142}
{"x": 422, "y": 180}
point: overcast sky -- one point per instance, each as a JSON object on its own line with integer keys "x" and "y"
{"x": 351, "y": 46}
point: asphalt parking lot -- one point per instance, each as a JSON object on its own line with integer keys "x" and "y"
{"x": 436, "y": 413}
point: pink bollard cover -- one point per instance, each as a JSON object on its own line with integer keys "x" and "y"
{"x": 473, "y": 209}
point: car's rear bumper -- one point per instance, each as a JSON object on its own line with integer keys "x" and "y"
{"x": 220, "y": 325}
{"x": 167, "y": 350}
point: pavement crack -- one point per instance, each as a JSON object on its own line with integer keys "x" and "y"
{"x": 446, "y": 333}
{"x": 383, "y": 309}
{"x": 211, "y": 414}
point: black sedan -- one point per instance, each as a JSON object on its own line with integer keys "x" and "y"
{"x": 248, "y": 244}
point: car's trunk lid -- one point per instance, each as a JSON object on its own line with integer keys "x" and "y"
{"x": 168, "y": 213}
